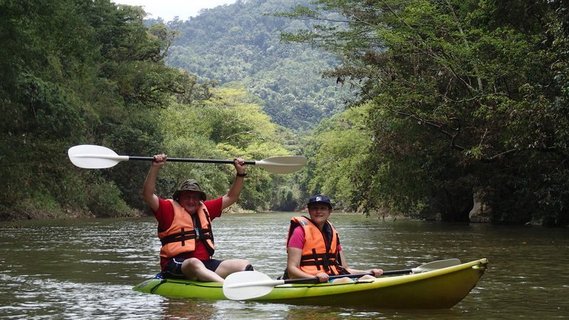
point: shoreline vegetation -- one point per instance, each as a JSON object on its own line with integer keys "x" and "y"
{"x": 39, "y": 216}
{"x": 426, "y": 109}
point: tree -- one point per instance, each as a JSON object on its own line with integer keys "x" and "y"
{"x": 77, "y": 72}
{"x": 465, "y": 97}
{"x": 229, "y": 124}
{"x": 336, "y": 151}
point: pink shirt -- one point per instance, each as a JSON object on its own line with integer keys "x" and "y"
{"x": 297, "y": 239}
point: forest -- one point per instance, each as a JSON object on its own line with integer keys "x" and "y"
{"x": 424, "y": 109}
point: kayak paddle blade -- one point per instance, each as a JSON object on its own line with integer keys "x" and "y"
{"x": 89, "y": 156}
{"x": 439, "y": 264}
{"x": 246, "y": 285}
{"x": 282, "y": 165}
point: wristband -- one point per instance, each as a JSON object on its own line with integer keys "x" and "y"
{"x": 241, "y": 174}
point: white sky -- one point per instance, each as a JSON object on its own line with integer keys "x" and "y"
{"x": 168, "y": 9}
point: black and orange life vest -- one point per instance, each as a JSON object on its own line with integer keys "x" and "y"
{"x": 320, "y": 251}
{"x": 181, "y": 236}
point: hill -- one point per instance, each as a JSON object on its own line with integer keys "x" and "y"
{"x": 242, "y": 43}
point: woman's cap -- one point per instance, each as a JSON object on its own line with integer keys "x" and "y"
{"x": 319, "y": 198}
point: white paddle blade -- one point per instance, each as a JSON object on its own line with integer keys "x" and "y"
{"x": 287, "y": 164}
{"x": 89, "y": 156}
{"x": 439, "y": 264}
{"x": 246, "y": 285}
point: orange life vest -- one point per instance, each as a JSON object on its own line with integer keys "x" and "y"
{"x": 181, "y": 236}
{"x": 320, "y": 251}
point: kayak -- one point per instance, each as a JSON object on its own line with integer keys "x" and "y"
{"x": 438, "y": 288}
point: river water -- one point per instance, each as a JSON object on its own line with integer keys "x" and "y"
{"x": 85, "y": 269}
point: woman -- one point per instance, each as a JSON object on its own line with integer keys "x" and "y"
{"x": 313, "y": 245}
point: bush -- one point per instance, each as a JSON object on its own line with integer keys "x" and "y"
{"x": 105, "y": 201}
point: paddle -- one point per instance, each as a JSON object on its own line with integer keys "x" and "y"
{"x": 439, "y": 264}
{"x": 246, "y": 285}
{"x": 97, "y": 157}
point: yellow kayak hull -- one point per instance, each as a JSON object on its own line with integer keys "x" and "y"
{"x": 440, "y": 288}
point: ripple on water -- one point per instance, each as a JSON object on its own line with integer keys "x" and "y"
{"x": 86, "y": 269}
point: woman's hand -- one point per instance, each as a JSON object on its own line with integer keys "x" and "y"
{"x": 322, "y": 277}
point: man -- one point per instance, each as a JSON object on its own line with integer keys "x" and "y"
{"x": 184, "y": 226}
{"x": 313, "y": 245}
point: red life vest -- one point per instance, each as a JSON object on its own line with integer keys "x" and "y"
{"x": 181, "y": 236}
{"x": 320, "y": 251}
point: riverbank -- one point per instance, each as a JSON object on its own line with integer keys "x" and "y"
{"x": 53, "y": 214}
{"x": 34, "y": 214}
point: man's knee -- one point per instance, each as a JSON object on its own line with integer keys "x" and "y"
{"x": 234, "y": 265}
{"x": 193, "y": 262}
{"x": 245, "y": 265}
{"x": 190, "y": 266}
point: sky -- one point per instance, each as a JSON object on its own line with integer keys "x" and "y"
{"x": 168, "y": 9}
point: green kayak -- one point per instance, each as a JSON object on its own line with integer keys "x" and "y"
{"x": 419, "y": 288}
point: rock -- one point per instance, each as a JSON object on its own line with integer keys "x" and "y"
{"x": 480, "y": 212}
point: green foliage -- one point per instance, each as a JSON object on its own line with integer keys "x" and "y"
{"x": 77, "y": 72}
{"x": 105, "y": 200}
{"x": 38, "y": 203}
{"x": 227, "y": 125}
{"x": 455, "y": 98}
{"x": 465, "y": 96}
{"x": 49, "y": 113}
{"x": 241, "y": 43}
{"x": 336, "y": 151}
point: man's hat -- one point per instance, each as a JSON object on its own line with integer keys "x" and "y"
{"x": 319, "y": 198}
{"x": 189, "y": 185}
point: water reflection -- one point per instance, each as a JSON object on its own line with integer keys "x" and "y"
{"x": 86, "y": 269}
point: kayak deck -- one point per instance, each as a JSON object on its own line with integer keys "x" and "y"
{"x": 440, "y": 288}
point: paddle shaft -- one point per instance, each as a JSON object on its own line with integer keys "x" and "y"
{"x": 89, "y": 156}
{"x": 422, "y": 268}
{"x": 352, "y": 275}
{"x": 272, "y": 283}
{"x": 190, "y": 160}
{"x": 268, "y": 284}
{"x": 357, "y": 275}
{"x": 402, "y": 271}
{"x": 315, "y": 279}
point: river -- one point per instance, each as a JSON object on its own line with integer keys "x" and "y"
{"x": 85, "y": 269}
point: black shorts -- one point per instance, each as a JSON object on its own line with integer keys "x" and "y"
{"x": 174, "y": 267}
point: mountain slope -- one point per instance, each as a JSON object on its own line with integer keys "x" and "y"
{"x": 241, "y": 43}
